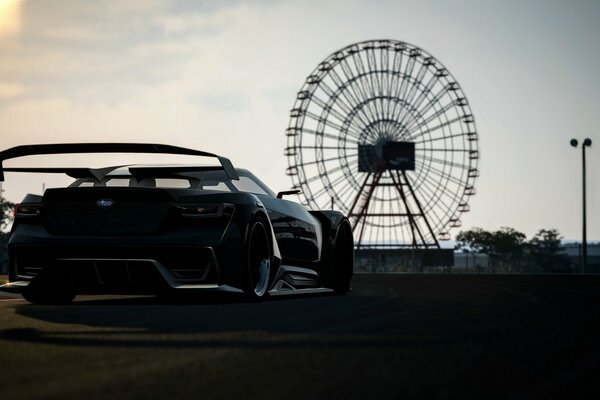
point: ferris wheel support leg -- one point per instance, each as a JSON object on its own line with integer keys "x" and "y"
{"x": 351, "y": 212}
{"x": 361, "y": 215}
{"x": 437, "y": 244}
{"x": 411, "y": 217}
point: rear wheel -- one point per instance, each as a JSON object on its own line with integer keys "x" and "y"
{"x": 259, "y": 257}
{"x": 343, "y": 260}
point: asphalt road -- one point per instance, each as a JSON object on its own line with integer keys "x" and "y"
{"x": 395, "y": 336}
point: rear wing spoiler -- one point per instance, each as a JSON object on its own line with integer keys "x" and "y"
{"x": 73, "y": 148}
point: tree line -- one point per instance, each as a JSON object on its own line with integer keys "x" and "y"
{"x": 509, "y": 250}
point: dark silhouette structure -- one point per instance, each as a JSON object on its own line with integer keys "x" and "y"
{"x": 586, "y": 143}
{"x": 383, "y": 132}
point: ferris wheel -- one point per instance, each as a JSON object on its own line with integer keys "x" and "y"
{"x": 382, "y": 131}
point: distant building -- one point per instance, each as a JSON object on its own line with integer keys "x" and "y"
{"x": 403, "y": 260}
{"x": 573, "y": 250}
{"x": 379, "y": 260}
{"x": 470, "y": 262}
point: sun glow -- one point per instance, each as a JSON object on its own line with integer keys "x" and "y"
{"x": 10, "y": 17}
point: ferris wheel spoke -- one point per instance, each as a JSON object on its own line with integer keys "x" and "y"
{"x": 438, "y": 172}
{"x": 303, "y": 147}
{"x": 368, "y": 106}
{"x": 385, "y": 76}
{"x": 346, "y": 97}
{"x": 333, "y": 116}
{"x": 363, "y": 117}
{"x": 365, "y": 83}
{"x": 327, "y": 135}
{"x": 340, "y": 97}
{"x": 346, "y": 197}
{"x": 356, "y": 92}
{"x": 414, "y": 88}
{"x": 349, "y": 94}
{"x": 397, "y": 110}
{"x": 444, "y": 196}
{"x": 373, "y": 68}
{"x": 433, "y": 177}
{"x": 434, "y": 104}
{"x": 424, "y": 91}
{"x": 331, "y": 186}
{"x": 431, "y": 211}
{"x": 443, "y": 162}
{"x": 356, "y": 84}
{"x": 435, "y": 101}
{"x": 367, "y": 88}
{"x": 316, "y": 177}
{"x": 396, "y": 94}
{"x": 350, "y": 80}
{"x": 436, "y": 127}
{"x": 341, "y": 85}
{"x": 438, "y": 138}
{"x": 394, "y": 79}
{"x": 351, "y": 186}
{"x": 408, "y": 73}
{"x": 414, "y": 127}
{"x": 328, "y": 109}
{"x": 379, "y": 71}
{"x": 443, "y": 150}
{"x": 424, "y": 94}
{"x": 437, "y": 190}
{"x": 314, "y": 162}
{"x": 326, "y": 122}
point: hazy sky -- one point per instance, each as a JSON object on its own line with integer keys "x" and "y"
{"x": 222, "y": 76}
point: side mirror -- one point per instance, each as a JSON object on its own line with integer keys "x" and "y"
{"x": 288, "y": 192}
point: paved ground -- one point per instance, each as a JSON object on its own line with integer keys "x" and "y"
{"x": 396, "y": 336}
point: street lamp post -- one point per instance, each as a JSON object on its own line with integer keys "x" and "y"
{"x": 586, "y": 143}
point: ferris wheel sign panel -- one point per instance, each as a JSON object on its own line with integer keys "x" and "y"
{"x": 388, "y": 155}
{"x": 383, "y": 131}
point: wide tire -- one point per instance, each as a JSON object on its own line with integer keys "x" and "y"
{"x": 259, "y": 258}
{"x": 343, "y": 260}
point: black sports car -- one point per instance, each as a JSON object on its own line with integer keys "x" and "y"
{"x": 144, "y": 229}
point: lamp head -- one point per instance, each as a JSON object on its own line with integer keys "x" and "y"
{"x": 587, "y": 142}
{"x": 574, "y": 142}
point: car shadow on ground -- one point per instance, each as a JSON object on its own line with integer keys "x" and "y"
{"x": 206, "y": 321}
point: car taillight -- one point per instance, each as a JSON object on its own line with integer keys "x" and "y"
{"x": 27, "y": 210}
{"x": 200, "y": 210}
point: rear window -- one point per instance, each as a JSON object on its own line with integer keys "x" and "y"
{"x": 166, "y": 183}
{"x": 202, "y": 180}
{"x": 117, "y": 182}
{"x": 246, "y": 184}
{"x": 214, "y": 185}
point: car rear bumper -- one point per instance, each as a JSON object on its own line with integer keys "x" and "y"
{"x": 14, "y": 287}
{"x": 96, "y": 280}
{"x": 107, "y": 270}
